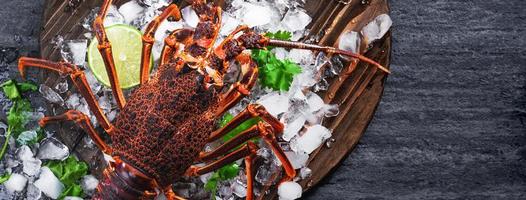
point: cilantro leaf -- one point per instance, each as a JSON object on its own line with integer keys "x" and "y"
{"x": 72, "y": 190}
{"x": 224, "y": 173}
{"x": 5, "y": 177}
{"x": 228, "y": 171}
{"x": 69, "y": 172}
{"x": 17, "y": 116}
{"x": 280, "y": 35}
{"x": 26, "y": 87}
{"x": 10, "y": 90}
{"x": 274, "y": 73}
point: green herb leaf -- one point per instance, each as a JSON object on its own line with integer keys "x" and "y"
{"x": 17, "y": 116}
{"x": 10, "y": 90}
{"x": 280, "y": 35}
{"x": 27, "y": 86}
{"x": 72, "y": 190}
{"x": 68, "y": 171}
{"x": 274, "y": 73}
{"x": 5, "y": 177}
{"x": 228, "y": 171}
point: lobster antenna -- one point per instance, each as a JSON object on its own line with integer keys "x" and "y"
{"x": 299, "y": 45}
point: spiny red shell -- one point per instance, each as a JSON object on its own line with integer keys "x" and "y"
{"x": 165, "y": 124}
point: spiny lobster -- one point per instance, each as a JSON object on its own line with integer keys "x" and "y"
{"x": 160, "y": 133}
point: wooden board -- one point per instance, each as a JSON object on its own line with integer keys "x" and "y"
{"x": 358, "y": 96}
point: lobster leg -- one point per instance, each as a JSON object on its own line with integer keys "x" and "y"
{"x": 249, "y": 149}
{"x": 170, "y": 194}
{"x": 263, "y": 130}
{"x": 266, "y": 129}
{"x": 173, "y": 42}
{"x": 242, "y": 88}
{"x": 81, "y": 120}
{"x": 148, "y": 39}
{"x": 78, "y": 78}
{"x": 106, "y": 53}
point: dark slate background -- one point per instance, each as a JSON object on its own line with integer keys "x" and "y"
{"x": 451, "y": 124}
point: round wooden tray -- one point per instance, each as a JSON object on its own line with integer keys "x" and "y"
{"x": 358, "y": 95}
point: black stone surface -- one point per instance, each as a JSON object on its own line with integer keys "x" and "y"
{"x": 451, "y": 124}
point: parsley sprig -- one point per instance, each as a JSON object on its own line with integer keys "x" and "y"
{"x": 275, "y": 73}
{"x": 69, "y": 172}
{"x": 17, "y": 117}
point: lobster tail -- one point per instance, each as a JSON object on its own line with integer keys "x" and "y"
{"x": 122, "y": 181}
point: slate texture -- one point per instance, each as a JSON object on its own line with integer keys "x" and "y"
{"x": 451, "y": 124}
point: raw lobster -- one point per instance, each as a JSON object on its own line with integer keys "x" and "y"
{"x": 160, "y": 133}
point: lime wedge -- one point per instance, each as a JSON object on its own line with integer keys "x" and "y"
{"x": 126, "y": 46}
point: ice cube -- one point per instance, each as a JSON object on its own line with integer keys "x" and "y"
{"x": 305, "y": 172}
{"x": 130, "y": 10}
{"x": 289, "y": 190}
{"x": 229, "y": 24}
{"x": 293, "y": 127}
{"x": 313, "y": 137}
{"x": 165, "y": 29}
{"x": 301, "y": 56}
{"x": 298, "y": 160}
{"x": 26, "y": 137}
{"x": 3, "y": 128}
{"x": 50, "y": 95}
{"x": 72, "y": 198}
{"x": 73, "y": 101}
{"x": 92, "y": 81}
{"x": 224, "y": 190}
{"x": 161, "y": 197}
{"x": 78, "y": 49}
{"x": 31, "y": 166}
{"x": 350, "y": 41}
{"x": 104, "y": 103}
{"x": 315, "y": 102}
{"x": 112, "y": 115}
{"x": 24, "y": 153}
{"x": 296, "y": 19}
{"x": 49, "y": 184}
{"x": 239, "y": 189}
{"x": 33, "y": 193}
{"x": 62, "y": 87}
{"x": 275, "y": 103}
{"x": 330, "y": 110}
{"x": 89, "y": 183}
{"x": 265, "y": 172}
{"x": 281, "y": 53}
{"x": 189, "y": 16}
{"x": 16, "y": 183}
{"x": 52, "y": 149}
{"x": 256, "y": 15}
{"x": 377, "y": 28}
{"x": 113, "y": 17}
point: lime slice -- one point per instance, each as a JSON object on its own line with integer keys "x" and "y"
{"x": 126, "y": 46}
